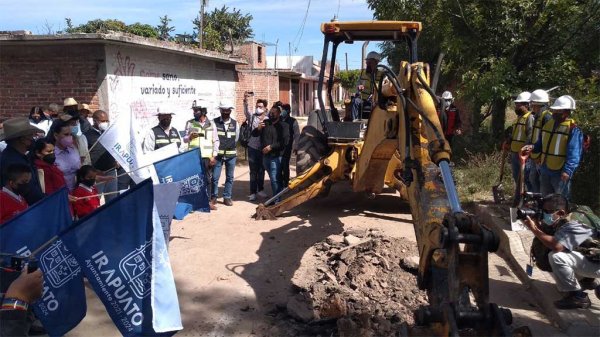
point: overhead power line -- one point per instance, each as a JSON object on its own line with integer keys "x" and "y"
{"x": 301, "y": 30}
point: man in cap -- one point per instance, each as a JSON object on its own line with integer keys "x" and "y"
{"x": 161, "y": 135}
{"x": 361, "y": 108}
{"x": 201, "y": 133}
{"x": 560, "y": 146}
{"x": 18, "y": 134}
{"x": 85, "y": 117}
{"x": 228, "y": 132}
{"x": 541, "y": 115}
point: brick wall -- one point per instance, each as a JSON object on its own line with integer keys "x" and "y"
{"x": 264, "y": 84}
{"x": 40, "y": 75}
{"x": 254, "y": 54}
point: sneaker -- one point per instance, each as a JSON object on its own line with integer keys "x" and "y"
{"x": 252, "y": 197}
{"x": 571, "y": 301}
{"x": 262, "y": 194}
{"x": 228, "y": 202}
{"x": 588, "y": 283}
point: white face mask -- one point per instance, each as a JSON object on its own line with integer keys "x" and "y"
{"x": 103, "y": 126}
{"x": 260, "y": 111}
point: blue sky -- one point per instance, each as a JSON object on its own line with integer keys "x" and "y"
{"x": 273, "y": 19}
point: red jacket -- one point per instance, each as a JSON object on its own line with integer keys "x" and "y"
{"x": 53, "y": 176}
{"x": 10, "y": 206}
{"x": 83, "y": 207}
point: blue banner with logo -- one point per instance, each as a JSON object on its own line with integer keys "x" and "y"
{"x": 62, "y": 305}
{"x": 187, "y": 169}
{"x": 122, "y": 252}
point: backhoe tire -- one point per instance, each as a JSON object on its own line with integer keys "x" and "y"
{"x": 312, "y": 146}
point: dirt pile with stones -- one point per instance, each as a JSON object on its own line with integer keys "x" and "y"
{"x": 360, "y": 283}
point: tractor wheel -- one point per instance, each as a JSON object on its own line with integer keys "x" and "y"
{"x": 312, "y": 146}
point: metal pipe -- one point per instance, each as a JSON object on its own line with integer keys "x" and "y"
{"x": 330, "y": 82}
{"x": 268, "y": 202}
{"x": 363, "y": 61}
{"x": 450, "y": 187}
{"x": 321, "y": 80}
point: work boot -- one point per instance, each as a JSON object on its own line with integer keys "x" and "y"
{"x": 213, "y": 201}
{"x": 228, "y": 202}
{"x": 572, "y": 301}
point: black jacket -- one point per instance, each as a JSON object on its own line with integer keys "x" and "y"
{"x": 276, "y": 135}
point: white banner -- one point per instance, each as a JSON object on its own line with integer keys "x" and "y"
{"x": 165, "y": 199}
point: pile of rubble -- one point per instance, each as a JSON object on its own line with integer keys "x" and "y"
{"x": 360, "y": 283}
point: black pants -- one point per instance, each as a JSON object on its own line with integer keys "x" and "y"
{"x": 208, "y": 174}
{"x": 285, "y": 170}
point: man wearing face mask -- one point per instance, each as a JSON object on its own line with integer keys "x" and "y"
{"x": 568, "y": 264}
{"x": 201, "y": 133}
{"x": 294, "y": 135}
{"x": 228, "y": 132}
{"x": 255, "y": 155}
{"x": 161, "y": 135}
{"x": 101, "y": 159}
{"x": 521, "y": 136}
{"x": 560, "y": 146}
{"x": 18, "y": 134}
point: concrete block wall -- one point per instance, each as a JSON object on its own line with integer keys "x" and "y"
{"x": 42, "y": 75}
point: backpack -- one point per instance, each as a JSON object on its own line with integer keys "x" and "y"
{"x": 246, "y": 132}
{"x": 590, "y": 248}
{"x": 539, "y": 252}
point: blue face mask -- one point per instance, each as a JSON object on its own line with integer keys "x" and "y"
{"x": 548, "y": 220}
{"x": 75, "y": 130}
{"x": 284, "y": 113}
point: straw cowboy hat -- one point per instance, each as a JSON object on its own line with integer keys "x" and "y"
{"x": 70, "y": 101}
{"x": 83, "y": 106}
{"x": 17, "y": 127}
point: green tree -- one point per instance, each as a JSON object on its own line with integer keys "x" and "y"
{"x": 495, "y": 49}
{"x": 164, "y": 30}
{"x": 101, "y": 26}
{"x": 222, "y": 24}
{"x": 142, "y": 29}
{"x": 349, "y": 78}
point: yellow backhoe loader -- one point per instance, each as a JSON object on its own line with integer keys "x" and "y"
{"x": 402, "y": 146}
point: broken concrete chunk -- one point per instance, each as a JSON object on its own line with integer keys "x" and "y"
{"x": 411, "y": 262}
{"x": 351, "y": 240}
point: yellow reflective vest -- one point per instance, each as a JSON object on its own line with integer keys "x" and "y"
{"x": 204, "y": 141}
{"x": 519, "y": 133}
{"x": 554, "y": 143}
{"x": 537, "y": 130}
{"x": 365, "y": 80}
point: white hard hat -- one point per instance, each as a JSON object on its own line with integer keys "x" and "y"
{"x": 373, "y": 55}
{"x": 70, "y": 101}
{"x": 565, "y": 102}
{"x": 447, "y": 95}
{"x": 539, "y": 96}
{"x": 523, "y": 97}
{"x": 226, "y": 105}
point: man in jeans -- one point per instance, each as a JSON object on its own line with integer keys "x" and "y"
{"x": 274, "y": 137}
{"x": 228, "y": 132}
{"x": 255, "y": 155}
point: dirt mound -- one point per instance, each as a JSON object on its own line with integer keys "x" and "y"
{"x": 358, "y": 284}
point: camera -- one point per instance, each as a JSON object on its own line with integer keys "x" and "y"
{"x": 532, "y": 206}
{"x": 11, "y": 266}
{"x": 249, "y": 93}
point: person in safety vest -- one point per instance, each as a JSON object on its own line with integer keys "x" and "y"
{"x": 361, "y": 107}
{"x": 559, "y": 146}
{"x": 201, "y": 132}
{"x": 521, "y": 136}
{"x": 541, "y": 115}
{"x": 228, "y": 132}
{"x": 450, "y": 117}
{"x": 161, "y": 135}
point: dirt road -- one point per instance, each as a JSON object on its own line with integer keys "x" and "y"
{"x": 232, "y": 271}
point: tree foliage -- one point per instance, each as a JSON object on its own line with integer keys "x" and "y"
{"x": 163, "y": 29}
{"x": 222, "y": 24}
{"x": 104, "y": 26}
{"x": 349, "y": 78}
{"x": 495, "y": 49}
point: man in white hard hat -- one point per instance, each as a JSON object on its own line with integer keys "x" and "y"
{"x": 541, "y": 115}
{"x": 560, "y": 146}
{"x": 450, "y": 117}
{"x": 521, "y": 136}
{"x": 228, "y": 131}
{"x": 361, "y": 108}
{"x": 161, "y": 135}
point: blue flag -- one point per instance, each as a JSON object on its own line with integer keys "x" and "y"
{"x": 62, "y": 305}
{"x": 187, "y": 169}
{"x": 122, "y": 252}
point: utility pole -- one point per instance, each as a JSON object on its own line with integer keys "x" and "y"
{"x": 201, "y": 28}
{"x": 346, "y": 61}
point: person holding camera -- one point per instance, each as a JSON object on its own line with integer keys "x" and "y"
{"x": 14, "y": 313}
{"x": 255, "y": 155}
{"x": 566, "y": 259}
